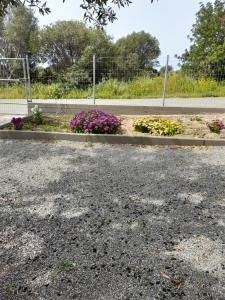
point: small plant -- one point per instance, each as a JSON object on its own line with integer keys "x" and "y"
{"x": 10, "y": 288}
{"x": 196, "y": 118}
{"x": 215, "y": 125}
{"x": 96, "y": 122}
{"x": 37, "y": 115}
{"x": 17, "y": 123}
{"x": 63, "y": 267}
{"x": 157, "y": 126}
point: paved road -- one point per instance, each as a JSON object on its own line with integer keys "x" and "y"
{"x": 91, "y": 222}
{"x": 13, "y": 107}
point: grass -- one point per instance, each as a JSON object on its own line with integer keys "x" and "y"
{"x": 62, "y": 267}
{"x": 177, "y": 86}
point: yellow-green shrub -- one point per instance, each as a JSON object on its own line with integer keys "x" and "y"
{"x": 157, "y": 126}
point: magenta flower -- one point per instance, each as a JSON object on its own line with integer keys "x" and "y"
{"x": 95, "y": 121}
{"x": 17, "y": 123}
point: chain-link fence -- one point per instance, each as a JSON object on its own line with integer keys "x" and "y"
{"x": 111, "y": 78}
{"x": 129, "y": 78}
{"x": 193, "y": 80}
{"x": 15, "y": 90}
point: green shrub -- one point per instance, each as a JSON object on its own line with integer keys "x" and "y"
{"x": 157, "y": 126}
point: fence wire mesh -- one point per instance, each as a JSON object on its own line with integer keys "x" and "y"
{"x": 14, "y": 86}
{"x": 111, "y": 78}
{"x": 198, "y": 80}
{"x": 126, "y": 78}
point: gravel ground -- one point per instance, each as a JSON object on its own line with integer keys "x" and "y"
{"x": 102, "y": 222}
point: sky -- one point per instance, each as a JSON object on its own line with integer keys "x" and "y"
{"x": 170, "y": 21}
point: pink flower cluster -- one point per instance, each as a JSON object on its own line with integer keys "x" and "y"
{"x": 96, "y": 122}
{"x": 215, "y": 125}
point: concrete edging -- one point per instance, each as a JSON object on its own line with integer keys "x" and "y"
{"x": 108, "y": 139}
{"x": 52, "y": 108}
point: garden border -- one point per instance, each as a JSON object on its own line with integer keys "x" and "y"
{"x": 52, "y": 108}
{"x": 108, "y": 139}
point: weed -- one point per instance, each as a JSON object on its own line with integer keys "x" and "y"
{"x": 196, "y": 118}
{"x": 63, "y": 267}
{"x": 10, "y": 288}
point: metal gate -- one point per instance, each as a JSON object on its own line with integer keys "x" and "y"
{"x": 15, "y": 90}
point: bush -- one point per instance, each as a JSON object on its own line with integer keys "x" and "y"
{"x": 215, "y": 125}
{"x": 157, "y": 126}
{"x": 17, "y": 123}
{"x": 95, "y": 121}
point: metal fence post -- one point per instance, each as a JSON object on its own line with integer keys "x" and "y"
{"x": 28, "y": 79}
{"x": 25, "y": 78}
{"x": 165, "y": 80}
{"x": 94, "y": 78}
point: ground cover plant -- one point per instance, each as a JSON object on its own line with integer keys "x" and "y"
{"x": 95, "y": 121}
{"x": 216, "y": 126}
{"x": 157, "y": 126}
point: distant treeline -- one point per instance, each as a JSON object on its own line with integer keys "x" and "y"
{"x": 62, "y": 52}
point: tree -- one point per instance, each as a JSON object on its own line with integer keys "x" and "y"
{"x": 140, "y": 44}
{"x": 98, "y": 11}
{"x": 206, "y": 56}
{"x": 80, "y": 73}
{"x": 63, "y": 43}
{"x": 102, "y": 47}
{"x": 163, "y": 70}
{"x": 68, "y": 47}
{"x": 21, "y": 31}
{"x": 136, "y": 53}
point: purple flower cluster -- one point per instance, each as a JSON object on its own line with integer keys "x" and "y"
{"x": 96, "y": 122}
{"x": 17, "y": 123}
{"x": 215, "y": 125}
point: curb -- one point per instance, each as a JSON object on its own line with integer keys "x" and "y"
{"x": 52, "y": 108}
{"x": 108, "y": 139}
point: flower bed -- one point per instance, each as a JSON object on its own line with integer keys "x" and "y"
{"x": 95, "y": 122}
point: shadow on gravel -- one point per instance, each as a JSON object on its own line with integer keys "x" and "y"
{"x": 109, "y": 222}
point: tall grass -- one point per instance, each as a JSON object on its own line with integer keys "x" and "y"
{"x": 177, "y": 86}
